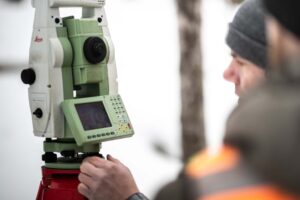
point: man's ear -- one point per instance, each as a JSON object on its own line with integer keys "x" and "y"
{"x": 274, "y": 40}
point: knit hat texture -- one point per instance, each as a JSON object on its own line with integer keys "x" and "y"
{"x": 287, "y": 12}
{"x": 247, "y": 33}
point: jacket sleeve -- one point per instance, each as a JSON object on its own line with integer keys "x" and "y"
{"x": 138, "y": 196}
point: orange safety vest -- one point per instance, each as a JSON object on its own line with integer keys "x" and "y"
{"x": 226, "y": 176}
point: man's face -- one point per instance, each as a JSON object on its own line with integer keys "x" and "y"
{"x": 243, "y": 74}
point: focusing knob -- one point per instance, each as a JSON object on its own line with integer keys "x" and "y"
{"x": 28, "y": 76}
{"x": 94, "y": 49}
{"x": 38, "y": 113}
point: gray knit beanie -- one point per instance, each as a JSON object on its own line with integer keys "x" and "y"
{"x": 247, "y": 34}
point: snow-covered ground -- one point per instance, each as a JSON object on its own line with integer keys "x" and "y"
{"x": 145, "y": 36}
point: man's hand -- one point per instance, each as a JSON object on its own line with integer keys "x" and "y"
{"x": 105, "y": 179}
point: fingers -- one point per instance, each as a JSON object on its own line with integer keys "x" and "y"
{"x": 84, "y": 190}
{"x": 86, "y": 180}
{"x": 102, "y": 163}
{"x": 92, "y": 176}
{"x": 96, "y": 161}
{"x": 105, "y": 179}
{"x": 88, "y": 169}
{"x": 112, "y": 159}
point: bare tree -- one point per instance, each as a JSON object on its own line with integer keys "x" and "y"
{"x": 189, "y": 18}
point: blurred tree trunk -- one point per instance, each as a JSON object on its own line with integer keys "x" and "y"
{"x": 192, "y": 121}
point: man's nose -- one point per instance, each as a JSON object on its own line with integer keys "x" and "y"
{"x": 230, "y": 73}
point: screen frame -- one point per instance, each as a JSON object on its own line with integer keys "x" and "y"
{"x": 74, "y": 123}
{"x": 120, "y": 128}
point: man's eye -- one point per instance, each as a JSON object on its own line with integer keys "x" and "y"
{"x": 240, "y": 63}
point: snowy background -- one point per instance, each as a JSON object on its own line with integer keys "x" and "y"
{"x": 145, "y": 36}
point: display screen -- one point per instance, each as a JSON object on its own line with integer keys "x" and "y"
{"x": 93, "y": 115}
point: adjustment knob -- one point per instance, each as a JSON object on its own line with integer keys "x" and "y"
{"x": 94, "y": 49}
{"x": 49, "y": 157}
{"x": 38, "y": 113}
{"x": 28, "y": 76}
